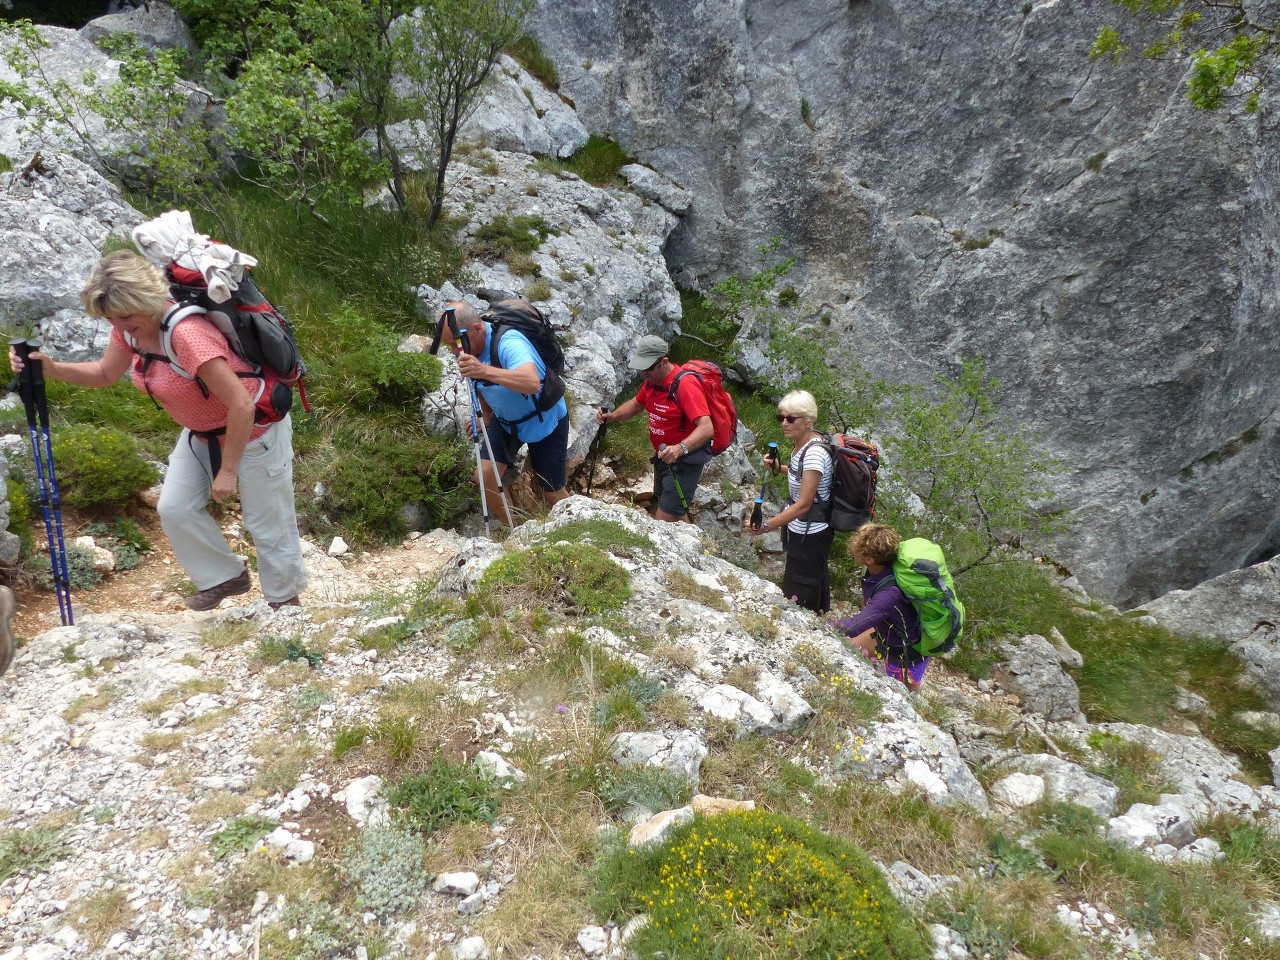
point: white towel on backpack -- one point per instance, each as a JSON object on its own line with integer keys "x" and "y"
{"x": 171, "y": 237}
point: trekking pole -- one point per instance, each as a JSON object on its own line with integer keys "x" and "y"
{"x": 757, "y": 512}
{"x": 479, "y": 429}
{"x": 31, "y": 390}
{"x": 674, "y": 479}
{"x": 596, "y": 443}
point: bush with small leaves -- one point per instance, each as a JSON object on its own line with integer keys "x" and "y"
{"x": 570, "y": 574}
{"x": 386, "y": 871}
{"x": 81, "y": 572}
{"x": 99, "y": 468}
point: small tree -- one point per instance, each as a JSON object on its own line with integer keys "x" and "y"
{"x": 449, "y": 49}
{"x": 1233, "y": 45}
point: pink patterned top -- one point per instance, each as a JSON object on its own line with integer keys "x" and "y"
{"x": 196, "y": 341}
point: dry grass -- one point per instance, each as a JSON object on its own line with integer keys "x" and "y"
{"x": 219, "y": 805}
{"x": 288, "y": 675}
{"x": 152, "y": 838}
{"x": 162, "y": 741}
{"x": 685, "y": 585}
{"x": 100, "y": 915}
{"x": 211, "y": 720}
{"x": 676, "y": 655}
{"x": 543, "y": 910}
{"x": 89, "y": 703}
{"x": 673, "y": 709}
{"x": 223, "y": 635}
{"x": 744, "y": 676}
{"x": 461, "y": 846}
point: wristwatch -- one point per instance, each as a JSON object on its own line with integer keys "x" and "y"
{"x": 683, "y": 449}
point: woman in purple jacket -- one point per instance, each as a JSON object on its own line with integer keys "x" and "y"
{"x": 888, "y": 625}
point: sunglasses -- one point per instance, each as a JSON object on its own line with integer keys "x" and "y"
{"x": 653, "y": 366}
{"x": 789, "y": 417}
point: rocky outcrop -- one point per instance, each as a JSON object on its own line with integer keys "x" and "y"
{"x": 975, "y": 185}
{"x": 155, "y": 26}
{"x": 1241, "y": 608}
{"x": 55, "y": 214}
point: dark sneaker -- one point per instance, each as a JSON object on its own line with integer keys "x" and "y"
{"x": 7, "y": 642}
{"x": 210, "y": 598}
{"x": 277, "y": 604}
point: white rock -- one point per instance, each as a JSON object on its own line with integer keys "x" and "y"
{"x": 365, "y": 803}
{"x": 472, "y": 904}
{"x": 1018, "y": 790}
{"x": 338, "y": 548}
{"x": 463, "y": 883}
{"x": 472, "y": 948}
{"x": 593, "y": 941}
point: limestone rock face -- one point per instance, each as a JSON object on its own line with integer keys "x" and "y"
{"x": 970, "y": 185}
{"x": 55, "y": 214}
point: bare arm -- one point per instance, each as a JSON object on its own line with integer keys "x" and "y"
{"x": 226, "y": 386}
{"x": 523, "y": 379}
{"x": 624, "y": 411}
{"x": 804, "y": 500}
{"x": 91, "y": 373}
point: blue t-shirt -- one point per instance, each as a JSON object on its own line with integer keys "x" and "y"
{"x": 515, "y": 350}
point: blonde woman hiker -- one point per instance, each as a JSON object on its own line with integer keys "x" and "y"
{"x": 888, "y": 626}
{"x": 806, "y": 533}
{"x": 221, "y": 451}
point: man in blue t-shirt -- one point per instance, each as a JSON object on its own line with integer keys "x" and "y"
{"x": 508, "y": 393}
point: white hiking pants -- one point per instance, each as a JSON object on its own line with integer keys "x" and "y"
{"x": 266, "y": 503}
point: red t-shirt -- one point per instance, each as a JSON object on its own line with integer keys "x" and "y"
{"x": 195, "y": 342}
{"x": 671, "y": 422}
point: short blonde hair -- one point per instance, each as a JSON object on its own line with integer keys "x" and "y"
{"x": 799, "y": 403}
{"x": 123, "y": 283}
{"x": 876, "y": 542}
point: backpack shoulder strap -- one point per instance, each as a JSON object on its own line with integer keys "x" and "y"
{"x": 171, "y": 319}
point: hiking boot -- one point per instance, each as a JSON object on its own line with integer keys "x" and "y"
{"x": 7, "y": 642}
{"x": 277, "y": 604}
{"x": 210, "y": 598}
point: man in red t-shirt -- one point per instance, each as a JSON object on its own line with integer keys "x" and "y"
{"x": 679, "y": 428}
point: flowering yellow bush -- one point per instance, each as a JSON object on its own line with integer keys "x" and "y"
{"x": 755, "y": 885}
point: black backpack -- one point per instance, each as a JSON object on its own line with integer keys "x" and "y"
{"x": 523, "y": 317}
{"x": 855, "y": 467}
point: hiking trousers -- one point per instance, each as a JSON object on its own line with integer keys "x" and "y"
{"x": 266, "y": 504}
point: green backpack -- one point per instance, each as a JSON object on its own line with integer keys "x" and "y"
{"x": 922, "y": 575}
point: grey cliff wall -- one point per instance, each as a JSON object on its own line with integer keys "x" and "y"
{"x": 1126, "y": 300}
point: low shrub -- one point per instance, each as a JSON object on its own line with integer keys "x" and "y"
{"x": 31, "y": 851}
{"x": 526, "y": 52}
{"x": 651, "y": 787}
{"x": 755, "y": 885}
{"x": 81, "y": 573}
{"x": 574, "y": 575}
{"x": 599, "y": 161}
{"x": 445, "y": 794}
{"x": 99, "y": 468}
{"x": 385, "y": 869}
{"x": 240, "y": 834}
{"x": 503, "y": 236}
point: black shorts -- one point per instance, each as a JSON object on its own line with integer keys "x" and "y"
{"x": 667, "y": 477}
{"x": 546, "y": 455}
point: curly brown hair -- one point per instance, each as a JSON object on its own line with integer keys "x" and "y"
{"x": 876, "y": 542}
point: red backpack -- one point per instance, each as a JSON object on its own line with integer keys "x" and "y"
{"x": 724, "y": 416}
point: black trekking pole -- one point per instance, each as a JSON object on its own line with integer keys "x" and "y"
{"x": 31, "y": 390}
{"x": 674, "y": 479}
{"x": 757, "y": 512}
{"x": 596, "y": 443}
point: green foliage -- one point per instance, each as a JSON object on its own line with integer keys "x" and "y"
{"x": 385, "y": 867}
{"x": 1232, "y": 46}
{"x": 80, "y": 570}
{"x": 755, "y": 885}
{"x": 980, "y": 481}
{"x": 369, "y": 371}
{"x": 628, "y": 703}
{"x": 32, "y": 851}
{"x": 598, "y": 162}
{"x": 650, "y": 787}
{"x": 505, "y": 235}
{"x": 447, "y": 793}
{"x": 367, "y": 479}
{"x": 575, "y": 575}
{"x": 328, "y": 933}
{"x": 1131, "y": 766}
{"x": 123, "y": 537}
{"x": 299, "y": 136}
{"x": 348, "y": 739}
{"x": 99, "y": 469}
{"x": 242, "y": 833}
{"x": 526, "y": 52}
{"x": 605, "y": 534}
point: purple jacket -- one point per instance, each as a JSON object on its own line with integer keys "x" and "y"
{"x": 887, "y": 610}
